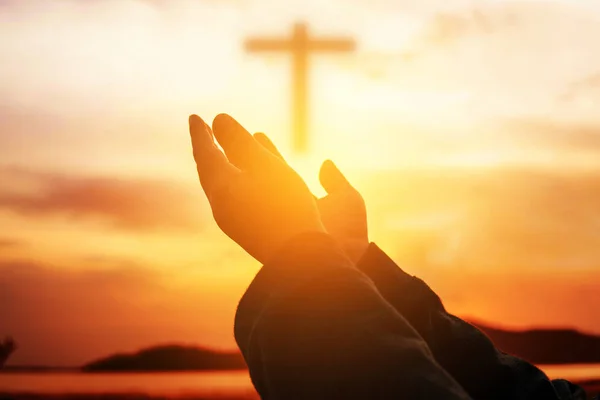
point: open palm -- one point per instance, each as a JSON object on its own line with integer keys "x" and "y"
{"x": 256, "y": 198}
{"x": 342, "y": 210}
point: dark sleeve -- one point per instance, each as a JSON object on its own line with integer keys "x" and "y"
{"x": 460, "y": 348}
{"x": 311, "y": 326}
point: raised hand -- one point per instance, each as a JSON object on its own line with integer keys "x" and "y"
{"x": 256, "y": 198}
{"x": 342, "y": 210}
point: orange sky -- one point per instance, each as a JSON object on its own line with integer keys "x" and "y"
{"x": 469, "y": 126}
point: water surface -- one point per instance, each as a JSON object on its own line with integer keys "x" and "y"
{"x": 187, "y": 383}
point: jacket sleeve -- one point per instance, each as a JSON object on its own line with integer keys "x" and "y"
{"x": 311, "y": 326}
{"x": 460, "y": 348}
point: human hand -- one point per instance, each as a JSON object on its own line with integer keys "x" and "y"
{"x": 342, "y": 210}
{"x": 256, "y": 198}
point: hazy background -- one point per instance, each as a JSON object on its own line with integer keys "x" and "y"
{"x": 471, "y": 128}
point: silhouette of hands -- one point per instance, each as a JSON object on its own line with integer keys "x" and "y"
{"x": 256, "y": 198}
{"x": 342, "y": 210}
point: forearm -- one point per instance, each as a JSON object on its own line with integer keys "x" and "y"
{"x": 462, "y": 349}
{"x": 312, "y": 326}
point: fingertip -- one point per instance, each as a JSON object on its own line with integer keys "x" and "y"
{"x": 197, "y": 124}
{"x": 323, "y": 173}
{"x": 221, "y": 122}
{"x": 326, "y": 169}
{"x": 261, "y": 136}
{"x": 331, "y": 178}
{"x": 193, "y": 120}
{"x": 264, "y": 140}
{"x": 328, "y": 164}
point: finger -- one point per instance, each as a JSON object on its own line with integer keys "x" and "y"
{"x": 331, "y": 178}
{"x": 211, "y": 163}
{"x": 268, "y": 144}
{"x": 264, "y": 141}
{"x": 240, "y": 147}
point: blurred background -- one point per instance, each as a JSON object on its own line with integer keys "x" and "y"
{"x": 470, "y": 127}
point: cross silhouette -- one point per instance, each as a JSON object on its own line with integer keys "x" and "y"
{"x": 300, "y": 45}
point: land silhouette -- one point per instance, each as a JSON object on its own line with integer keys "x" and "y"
{"x": 547, "y": 346}
{"x": 168, "y": 358}
{"x": 539, "y": 346}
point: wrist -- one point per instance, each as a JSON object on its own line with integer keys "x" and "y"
{"x": 285, "y": 238}
{"x": 299, "y": 247}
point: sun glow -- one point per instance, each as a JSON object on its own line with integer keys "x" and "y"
{"x": 443, "y": 136}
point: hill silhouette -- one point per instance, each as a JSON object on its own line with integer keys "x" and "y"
{"x": 539, "y": 346}
{"x": 169, "y": 358}
{"x": 546, "y": 346}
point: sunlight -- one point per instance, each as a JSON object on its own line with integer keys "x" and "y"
{"x": 391, "y": 33}
{"x": 468, "y": 129}
{"x": 308, "y": 167}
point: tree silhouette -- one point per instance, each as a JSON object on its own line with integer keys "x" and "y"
{"x": 7, "y": 347}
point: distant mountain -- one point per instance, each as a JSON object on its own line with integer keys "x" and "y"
{"x": 169, "y": 358}
{"x": 539, "y": 346}
{"x": 546, "y": 346}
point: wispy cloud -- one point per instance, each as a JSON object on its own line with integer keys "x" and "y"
{"x": 122, "y": 203}
{"x": 9, "y": 242}
{"x": 445, "y": 28}
{"x": 588, "y": 86}
{"x": 508, "y": 219}
{"x": 562, "y": 136}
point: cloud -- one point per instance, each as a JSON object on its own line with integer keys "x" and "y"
{"x": 554, "y": 135}
{"x": 67, "y": 315}
{"x": 45, "y": 308}
{"x": 509, "y": 219}
{"x": 9, "y": 242}
{"x": 586, "y": 87}
{"x": 535, "y": 220}
{"x": 132, "y": 204}
{"x": 446, "y": 28}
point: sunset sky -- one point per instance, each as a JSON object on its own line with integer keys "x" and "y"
{"x": 471, "y": 128}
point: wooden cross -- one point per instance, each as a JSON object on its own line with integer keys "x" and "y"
{"x": 300, "y": 45}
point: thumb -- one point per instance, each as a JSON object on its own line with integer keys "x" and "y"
{"x": 331, "y": 178}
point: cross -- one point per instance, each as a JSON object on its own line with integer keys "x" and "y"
{"x": 300, "y": 45}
